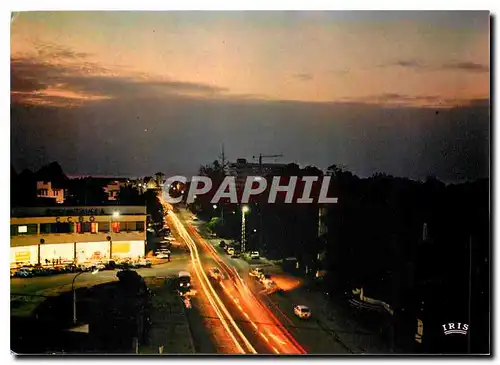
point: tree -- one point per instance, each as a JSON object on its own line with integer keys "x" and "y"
{"x": 160, "y": 176}
{"x": 130, "y": 195}
{"x": 86, "y": 191}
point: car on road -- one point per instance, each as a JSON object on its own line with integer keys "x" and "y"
{"x": 215, "y": 273}
{"x": 302, "y": 311}
{"x": 230, "y": 251}
{"x": 256, "y": 272}
{"x": 194, "y": 218}
{"x": 235, "y": 255}
{"x": 184, "y": 281}
{"x": 222, "y": 244}
{"x": 254, "y": 255}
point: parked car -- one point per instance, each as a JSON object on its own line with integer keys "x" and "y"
{"x": 110, "y": 265}
{"x": 270, "y": 284}
{"x": 302, "y": 311}
{"x": 265, "y": 278}
{"x": 162, "y": 255}
{"x": 24, "y": 272}
{"x": 254, "y": 255}
{"x": 99, "y": 266}
{"x": 256, "y": 272}
{"x": 215, "y": 273}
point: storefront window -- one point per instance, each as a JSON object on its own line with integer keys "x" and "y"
{"x": 115, "y": 226}
{"x": 103, "y": 227}
{"x": 23, "y": 229}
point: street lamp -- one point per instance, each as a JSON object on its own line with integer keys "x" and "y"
{"x": 244, "y": 209}
{"x": 95, "y": 271}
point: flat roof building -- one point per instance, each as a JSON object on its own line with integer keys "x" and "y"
{"x": 48, "y": 235}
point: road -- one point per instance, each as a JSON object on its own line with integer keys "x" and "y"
{"x": 246, "y": 321}
{"x": 281, "y": 330}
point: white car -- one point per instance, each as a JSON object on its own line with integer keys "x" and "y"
{"x": 100, "y": 266}
{"x": 302, "y": 311}
{"x": 195, "y": 218}
{"x": 215, "y": 273}
{"x": 257, "y": 272}
{"x": 254, "y": 255}
{"x": 162, "y": 255}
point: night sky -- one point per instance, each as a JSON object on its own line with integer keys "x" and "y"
{"x": 129, "y": 94}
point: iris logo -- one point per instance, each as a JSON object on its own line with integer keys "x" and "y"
{"x": 452, "y": 328}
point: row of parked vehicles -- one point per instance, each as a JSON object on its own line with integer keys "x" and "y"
{"x": 301, "y": 311}
{"x": 26, "y": 271}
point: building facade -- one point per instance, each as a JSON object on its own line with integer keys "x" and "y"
{"x": 47, "y": 235}
{"x": 44, "y": 189}
{"x": 241, "y": 169}
{"x": 112, "y": 189}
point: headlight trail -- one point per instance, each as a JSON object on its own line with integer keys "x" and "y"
{"x": 276, "y": 336}
{"x": 214, "y": 299}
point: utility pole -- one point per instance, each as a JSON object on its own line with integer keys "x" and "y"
{"x": 261, "y": 156}
{"x": 222, "y": 157}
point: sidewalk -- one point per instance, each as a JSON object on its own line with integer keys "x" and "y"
{"x": 169, "y": 329}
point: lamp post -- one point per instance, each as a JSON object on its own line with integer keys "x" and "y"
{"x": 74, "y": 292}
{"x": 221, "y": 213}
{"x": 244, "y": 210}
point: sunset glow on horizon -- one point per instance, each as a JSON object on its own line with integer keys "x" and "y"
{"x": 405, "y": 58}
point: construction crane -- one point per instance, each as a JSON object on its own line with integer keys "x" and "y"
{"x": 261, "y": 156}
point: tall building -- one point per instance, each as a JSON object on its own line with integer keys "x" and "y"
{"x": 45, "y": 235}
{"x": 241, "y": 169}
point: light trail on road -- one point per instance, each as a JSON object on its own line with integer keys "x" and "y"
{"x": 219, "y": 307}
{"x": 274, "y": 334}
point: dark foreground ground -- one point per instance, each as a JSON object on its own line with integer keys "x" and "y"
{"x": 116, "y": 313}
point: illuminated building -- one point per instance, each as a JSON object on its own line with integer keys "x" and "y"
{"x": 47, "y": 235}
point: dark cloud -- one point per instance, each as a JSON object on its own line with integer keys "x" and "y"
{"x": 303, "y": 76}
{"x": 407, "y": 63}
{"x": 409, "y": 100}
{"x": 466, "y": 67}
{"x": 422, "y": 66}
{"x": 56, "y": 51}
{"x": 29, "y": 75}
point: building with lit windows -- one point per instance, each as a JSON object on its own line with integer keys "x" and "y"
{"x": 47, "y": 235}
{"x": 46, "y": 189}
